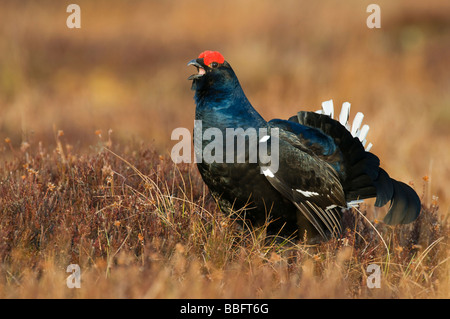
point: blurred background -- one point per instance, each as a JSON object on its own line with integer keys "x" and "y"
{"x": 125, "y": 70}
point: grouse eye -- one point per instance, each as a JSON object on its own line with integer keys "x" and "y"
{"x": 214, "y": 65}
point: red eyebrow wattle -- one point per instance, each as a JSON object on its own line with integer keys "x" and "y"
{"x": 211, "y": 56}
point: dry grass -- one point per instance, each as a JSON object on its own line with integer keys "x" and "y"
{"x": 138, "y": 225}
{"x": 149, "y": 229}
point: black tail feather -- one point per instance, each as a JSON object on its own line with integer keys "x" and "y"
{"x": 405, "y": 205}
{"x": 360, "y": 167}
{"x": 364, "y": 176}
{"x": 385, "y": 188}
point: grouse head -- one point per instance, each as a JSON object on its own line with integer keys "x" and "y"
{"x": 214, "y": 74}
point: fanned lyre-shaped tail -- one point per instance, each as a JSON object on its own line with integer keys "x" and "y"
{"x": 365, "y": 178}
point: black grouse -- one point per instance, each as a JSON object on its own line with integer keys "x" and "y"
{"x": 316, "y": 165}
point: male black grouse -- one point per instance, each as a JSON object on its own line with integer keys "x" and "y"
{"x": 321, "y": 166}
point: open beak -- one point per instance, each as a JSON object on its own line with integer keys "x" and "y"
{"x": 201, "y": 71}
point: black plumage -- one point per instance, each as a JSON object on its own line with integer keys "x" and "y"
{"x": 321, "y": 166}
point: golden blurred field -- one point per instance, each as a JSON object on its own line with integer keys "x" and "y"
{"x": 123, "y": 77}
